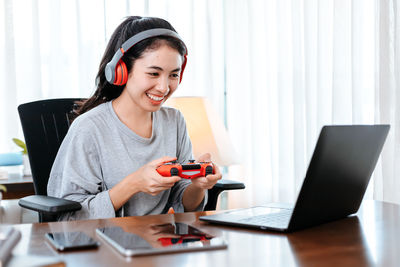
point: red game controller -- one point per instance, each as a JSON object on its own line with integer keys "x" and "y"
{"x": 188, "y": 170}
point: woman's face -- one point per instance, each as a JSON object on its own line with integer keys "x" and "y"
{"x": 154, "y": 77}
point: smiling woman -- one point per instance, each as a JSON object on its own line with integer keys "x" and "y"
{"x": 122, "y": 134}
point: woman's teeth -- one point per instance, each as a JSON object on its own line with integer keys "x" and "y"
{"x": 155, "y": 98}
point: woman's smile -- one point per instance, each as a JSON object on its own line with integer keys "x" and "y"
{"x": 155, "y": 99}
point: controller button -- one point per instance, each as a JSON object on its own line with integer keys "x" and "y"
{"x": 209, "y": 170}
{"x": 191, "y": 167}
{"x": 174, "y": 171}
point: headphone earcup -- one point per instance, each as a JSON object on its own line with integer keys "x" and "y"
{"x": 183, "y": 67}
{"x": 121, "y": 73}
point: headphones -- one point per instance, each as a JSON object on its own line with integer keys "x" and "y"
{"x": 116, "y": 71}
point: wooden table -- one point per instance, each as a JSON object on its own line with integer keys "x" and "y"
{"x": 17, "y": 186}
{"x": 370, "y": 238}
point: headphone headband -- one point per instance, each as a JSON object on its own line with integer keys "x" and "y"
{"x": 110, "y": 67}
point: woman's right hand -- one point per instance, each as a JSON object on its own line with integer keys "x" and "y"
{"x": 146, "y": 179}
{"x": 150, "y": 181}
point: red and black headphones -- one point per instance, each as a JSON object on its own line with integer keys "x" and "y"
{"x": 116, "y": 71}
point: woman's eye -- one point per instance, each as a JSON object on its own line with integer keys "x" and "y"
{"x": 175, "y": 75}
{"x": 154, "y": 74}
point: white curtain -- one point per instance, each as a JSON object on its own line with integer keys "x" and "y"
{"x": 387, "y": 85}
{"x": 278, "y": 70}
{"x": 49, "y": 49}
{"x": 292, "y": 67}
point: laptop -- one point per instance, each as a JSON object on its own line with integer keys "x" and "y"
{"x": 335, "y": 183}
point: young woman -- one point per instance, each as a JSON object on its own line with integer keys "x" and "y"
{"x": 108, "y": 159}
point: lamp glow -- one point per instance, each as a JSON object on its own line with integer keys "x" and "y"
{"x": 206, "y": 130}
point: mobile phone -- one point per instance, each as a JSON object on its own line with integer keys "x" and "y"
{"x": 65, "y": 241}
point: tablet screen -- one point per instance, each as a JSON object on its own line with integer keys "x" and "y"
{"x": 155, "y": 239}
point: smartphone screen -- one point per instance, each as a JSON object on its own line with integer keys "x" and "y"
{"x": 65, "y": 241}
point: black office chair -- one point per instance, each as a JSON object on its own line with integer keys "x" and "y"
{"x": 45, "y": 124}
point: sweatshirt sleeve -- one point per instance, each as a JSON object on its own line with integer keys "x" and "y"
{"x": 184, "y": 154}
{"x": 76, "y": 175}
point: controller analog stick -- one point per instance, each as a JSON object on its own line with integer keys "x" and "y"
{"x": 209, "y": 170}
{"x": 174, "y": 171}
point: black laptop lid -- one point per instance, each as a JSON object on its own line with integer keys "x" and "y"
{"x": 338, "y": 175}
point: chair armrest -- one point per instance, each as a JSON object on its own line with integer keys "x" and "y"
{"x": 225, "y": 184}
{"x": 51, "y": 205}
{"x": 220, "y": 186}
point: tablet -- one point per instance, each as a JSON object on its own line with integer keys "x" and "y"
{"x": 159, "y": 239}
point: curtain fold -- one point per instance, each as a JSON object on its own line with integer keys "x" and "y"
{"x": 387, "y": 92}
{"x": 8, "y": 77}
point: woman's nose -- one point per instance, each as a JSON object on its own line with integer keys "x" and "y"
{"x": 163, "y": 86}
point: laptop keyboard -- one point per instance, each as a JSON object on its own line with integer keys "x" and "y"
{"x": 277, "y": 219}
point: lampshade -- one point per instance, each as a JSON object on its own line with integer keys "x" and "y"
{"x": 206, "y": 130}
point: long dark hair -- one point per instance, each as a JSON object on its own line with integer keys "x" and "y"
{"x": 128, "y": 28}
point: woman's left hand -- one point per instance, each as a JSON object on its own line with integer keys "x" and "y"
{"x": 210, "y": 180}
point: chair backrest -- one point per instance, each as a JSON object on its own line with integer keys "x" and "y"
{"x": 45, "y": 124}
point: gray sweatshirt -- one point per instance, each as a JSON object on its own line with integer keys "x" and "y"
{"x": 99, "y": 151}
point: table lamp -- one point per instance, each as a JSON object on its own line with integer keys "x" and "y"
{"x": 206, "y": 130}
